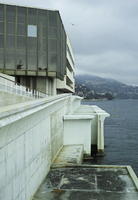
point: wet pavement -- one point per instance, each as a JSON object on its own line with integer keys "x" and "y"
{"x": 10, "y": 99}
{"x": 87, "y": 183}
{"x": 69, "y": 154}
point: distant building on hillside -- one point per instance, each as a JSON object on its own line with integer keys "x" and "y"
{"x": 34, "y": 48}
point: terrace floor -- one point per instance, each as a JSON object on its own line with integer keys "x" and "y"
{"x": 87, "y": 183}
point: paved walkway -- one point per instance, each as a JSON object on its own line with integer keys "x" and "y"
{"x": 69, "y": 154}
{"x": 10, "y": 99}
{"x": 87, "y": 183}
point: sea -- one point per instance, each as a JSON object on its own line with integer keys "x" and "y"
{"x": 121, "y": 132}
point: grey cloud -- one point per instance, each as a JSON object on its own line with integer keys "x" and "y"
{"x": 121, "y": 66}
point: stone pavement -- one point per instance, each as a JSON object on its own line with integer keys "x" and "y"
{"x": 69, "y": 154}
{"x": 87, "y": 183}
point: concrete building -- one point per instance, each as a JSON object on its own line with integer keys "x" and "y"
{"x": 35, "y": 48}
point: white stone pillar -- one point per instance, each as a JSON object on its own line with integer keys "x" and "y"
{"x": 54, "y": 86}
{"x": 100, "y": 134}
{"x": 47, "y": 92}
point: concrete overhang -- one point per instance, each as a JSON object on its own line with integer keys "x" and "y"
{"x": 78, "y": 117}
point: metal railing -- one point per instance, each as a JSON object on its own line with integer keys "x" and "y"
{"x": 10, "y": 86}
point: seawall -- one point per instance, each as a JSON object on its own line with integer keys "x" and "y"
{"x": 31, "y": 136}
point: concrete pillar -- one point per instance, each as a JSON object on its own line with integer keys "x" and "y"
{"x": 31, "y": 82}
{"x": 47, "y": 92}
{"x": 100, "y": 134}
{"x": 54, "y": 86}
{"x": 49, "y": 87}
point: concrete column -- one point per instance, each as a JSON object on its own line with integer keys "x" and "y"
{"x": 54, "y": 86}
{"x": 47, "y": 92}
{"x": 100, "y": 134}
{"x": 49, "y": 87}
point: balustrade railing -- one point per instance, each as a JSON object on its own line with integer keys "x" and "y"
{"x": 10, "y": 86}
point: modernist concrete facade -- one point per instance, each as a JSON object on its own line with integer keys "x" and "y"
{"x": 34, "y": 48}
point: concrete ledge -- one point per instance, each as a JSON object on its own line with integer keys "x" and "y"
{"x": 90, "y": 109}
{"x": 78, "y": 117}
{"x": 133, "y": 176}
{"x": 15, "y": 112}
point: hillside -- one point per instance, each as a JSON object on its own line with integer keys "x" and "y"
{"x": 91, "y": 87}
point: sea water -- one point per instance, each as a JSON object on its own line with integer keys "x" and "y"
{"x": 121, "y": 132}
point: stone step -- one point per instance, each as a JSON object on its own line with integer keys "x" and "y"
{"x": 69, "y": 155}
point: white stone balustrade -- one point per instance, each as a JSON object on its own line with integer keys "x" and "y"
{"x": 11, "y": 87}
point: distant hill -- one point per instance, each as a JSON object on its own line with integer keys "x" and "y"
{"x": 92, "y": 87}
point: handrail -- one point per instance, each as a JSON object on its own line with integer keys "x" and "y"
{"x": 7, "y": 79}
{"x": 38, "y": 104}
{"x": 20, "y": 89}
{"x": 20, "y": 84}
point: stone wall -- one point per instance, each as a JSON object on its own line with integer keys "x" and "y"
{"x": 31, "y": 134}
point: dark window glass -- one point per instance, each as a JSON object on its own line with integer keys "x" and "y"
{"x": 44, "y": 31}
{"x": 42, "y": 61}
{"x": 21, "y": 16}
{"x": 1, "y": 13}
{"x": 21, "y": 57}
{"x": 10, "y": 60}
{"x": 32, "y": 16}
{"x": 42, "y": 16}
{"x": 52, "y": 45}
{"x": 1, "y": 27}
{"x": 10, "y": 13}
{"x": 32, "y": 43}
{"x": 32, "y": 61}
{"x": 1, "y": 58}
{"x": 10, "y": 28}
{"x": 21, "y": 29}
{"x": 52, "y": 32}
{"x": 21, "y": 42}
{"x": 44, "y": 45}
{"x": 52, "y": 62}
{"x": 1, "y": 41}
{"x": 52, "y": 18}
{"x": 10, "y": 41}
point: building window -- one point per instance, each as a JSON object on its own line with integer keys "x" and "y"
{"x": 11, "y": 13}
{"x": 21, "y": 15}
{"x": 21, "y": 42}
{"x": 1, "y": 13}
{"x": 1, "y": 41}
{"x": 21, "y": 29}
{"x": 1, "y": 27}
{"x": 32, "y": 31}
{"x": 10, "y": 41}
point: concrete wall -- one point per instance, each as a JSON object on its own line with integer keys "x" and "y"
{"x": 85, "y": 125}
{"x": 78, "y": 131}
{"x": 31, "y": 134}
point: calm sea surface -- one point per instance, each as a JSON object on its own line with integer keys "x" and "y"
{"x": 121, "y": 132}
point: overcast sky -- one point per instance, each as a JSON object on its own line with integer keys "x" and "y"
{"x": 104, "y": 35}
